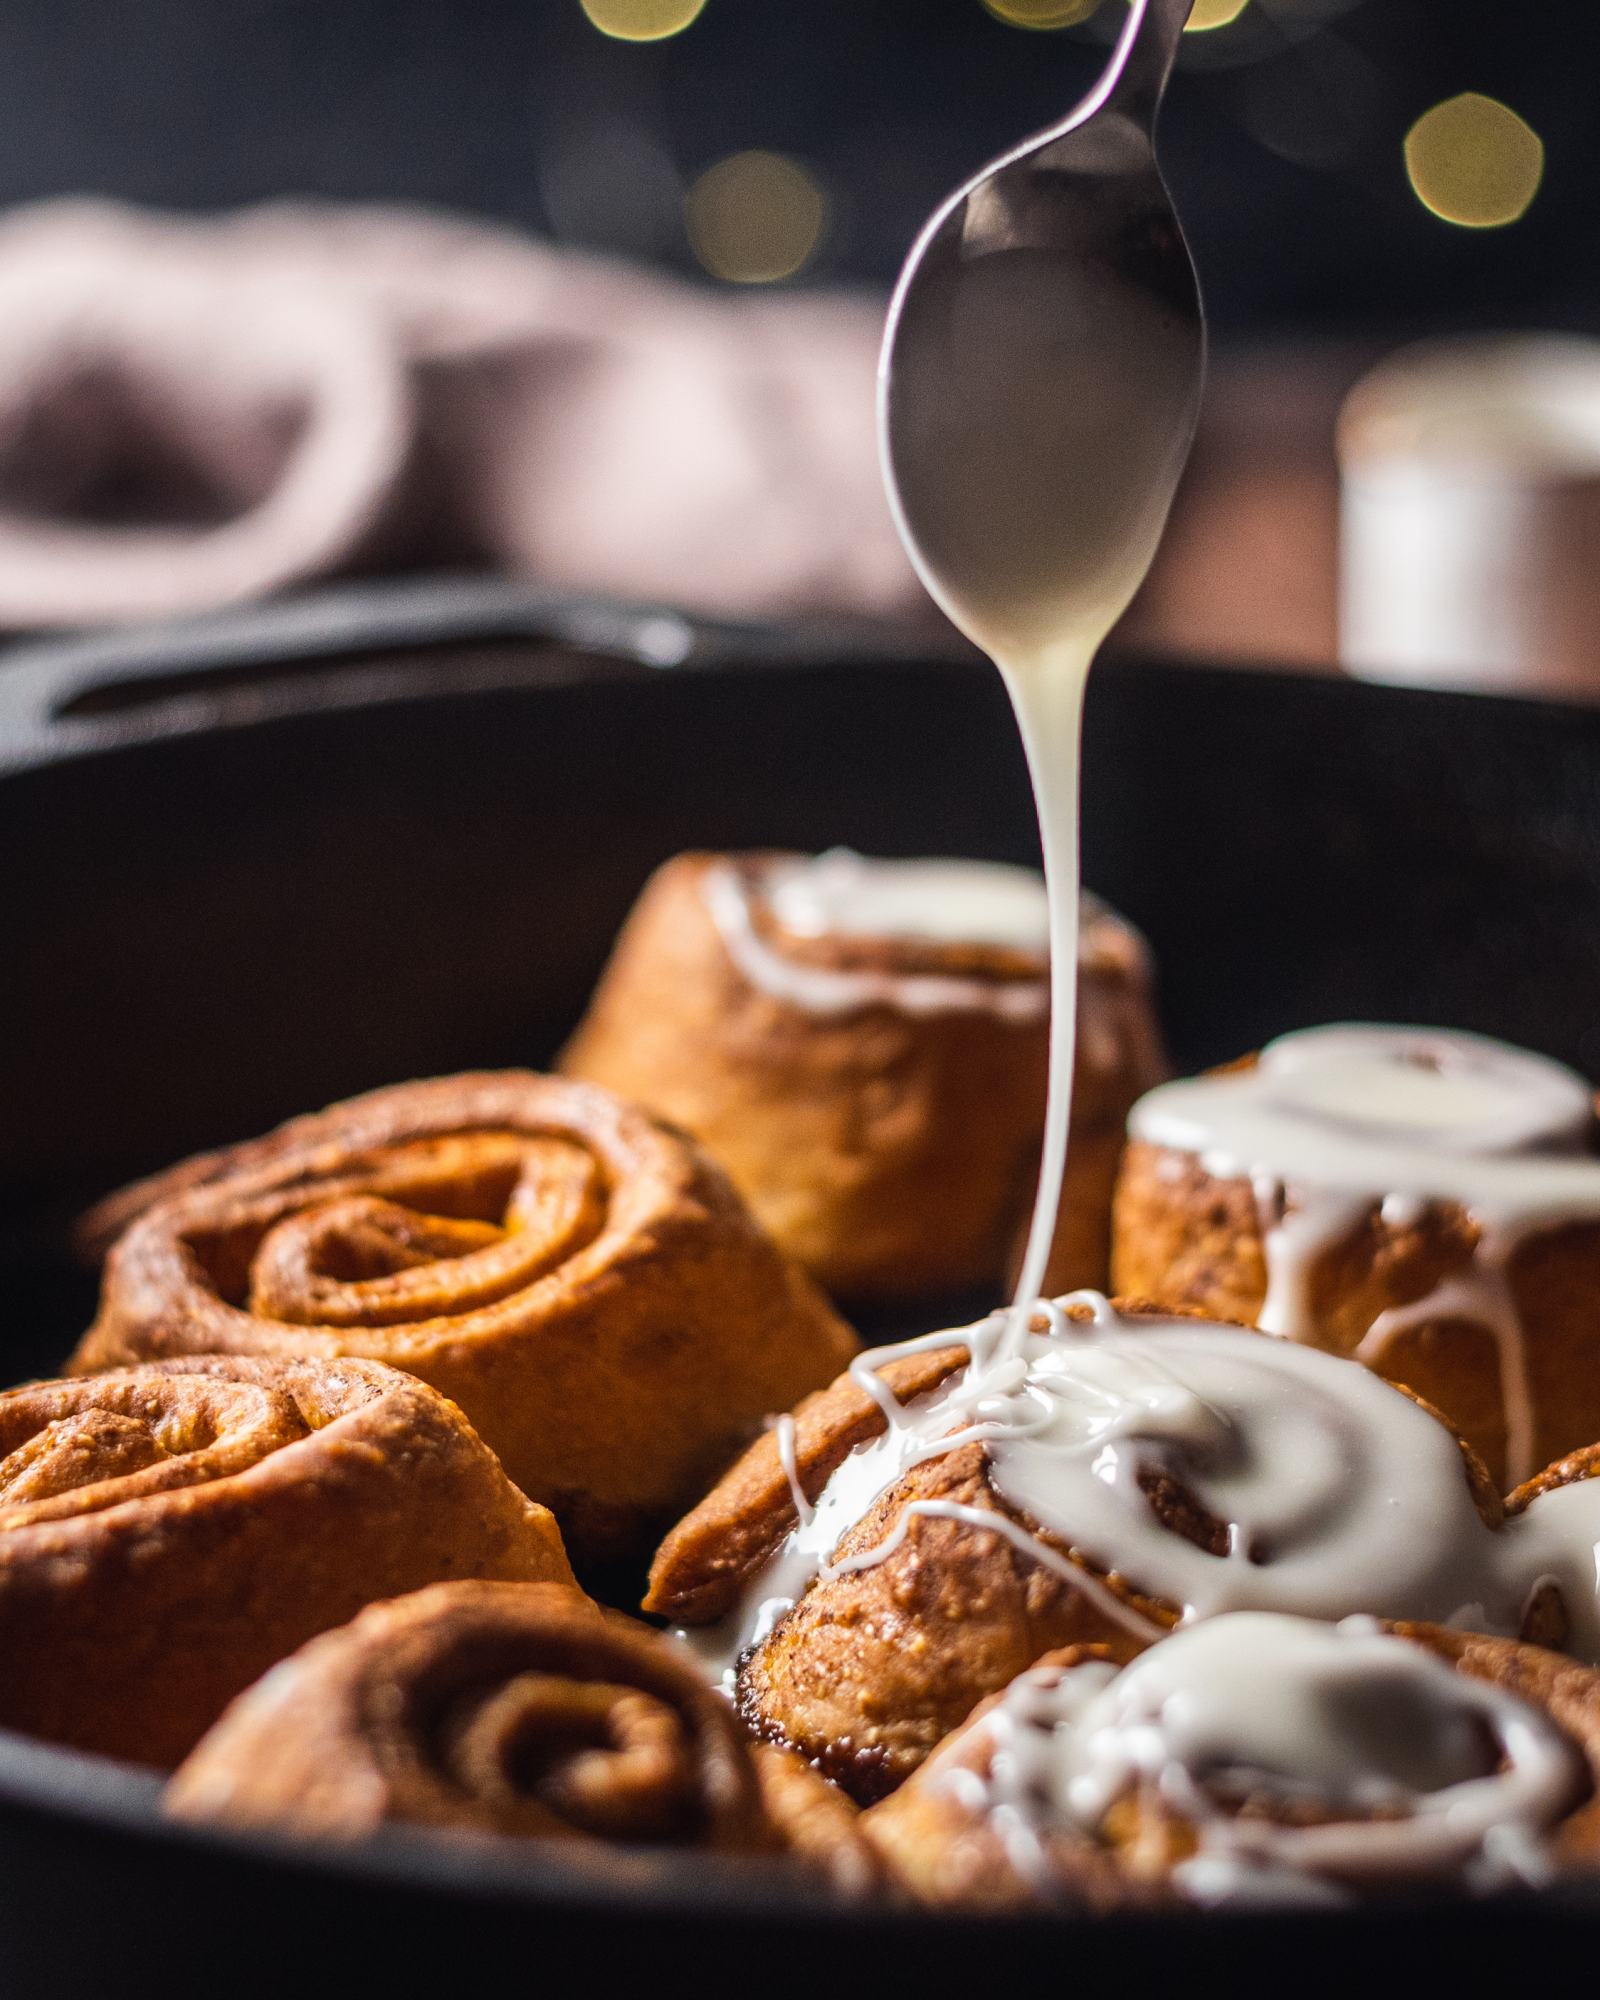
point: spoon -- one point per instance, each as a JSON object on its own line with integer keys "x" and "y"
{"x": 1038, "y": 388}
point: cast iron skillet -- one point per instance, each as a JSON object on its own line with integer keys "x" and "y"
{"x": 266, "y": 860}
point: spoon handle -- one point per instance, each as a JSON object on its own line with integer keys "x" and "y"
{"x": 1144, "y": 56}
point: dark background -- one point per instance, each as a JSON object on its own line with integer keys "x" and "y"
{"x": 1283, "y": 140}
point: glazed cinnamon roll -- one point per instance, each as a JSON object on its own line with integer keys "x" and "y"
{"x": 1426, "y": 1202}
{"x": 912, "y": 1539}
{"x": 584, "y": 1282}
{"x": 168, "y": 1532}
{"x": 1259, "y": 1759}
{"x": 524, "y": 1711}
{"x": 863, "y": 1043}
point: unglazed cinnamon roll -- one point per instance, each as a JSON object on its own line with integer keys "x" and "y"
{"x": 1427, "y": 1202}
{"x": 863, "y": 1044}
{"x": 168, "y": 1532}
{"x": 584, "y": 1282}
{"x": 913, "y": 1538}
{"x": 1259, "y": 1759}
{"x": 524, "y": 1711}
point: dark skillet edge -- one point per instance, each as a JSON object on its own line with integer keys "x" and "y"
{"x": 362, "y": 646}
{"x": 68, "y": 1787}
{"x": 358, "y": 645}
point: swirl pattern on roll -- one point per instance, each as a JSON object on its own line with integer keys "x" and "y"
{"x": 522, "y": 1711}
{"x": 169, "y": 1531}
{"x": 580, "y": 1278}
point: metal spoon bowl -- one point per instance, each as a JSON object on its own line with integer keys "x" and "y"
{"x": 1042, "y": 368}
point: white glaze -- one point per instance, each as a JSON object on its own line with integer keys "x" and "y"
{"x": 1339, "y": 1494}
{"x": 1047, "y": 682}
{"x": 1556, "y": 1539}
{"x": 845, "y": 894}
{"x": 784, "y": 1437}
{"x": 1427, "y": 1088}
{"x": 826, "y": 990}
{"x": 1471, "y": 1780}
{"x": 1333, "y": 1123}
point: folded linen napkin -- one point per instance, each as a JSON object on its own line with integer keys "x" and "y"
{"x": 198, "y": 411}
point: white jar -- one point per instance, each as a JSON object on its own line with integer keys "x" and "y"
{"x": 1469, "y": 519}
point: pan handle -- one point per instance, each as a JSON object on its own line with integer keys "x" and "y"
{"x": 353, "y": 646}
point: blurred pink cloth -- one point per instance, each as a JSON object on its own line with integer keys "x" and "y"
{"x": 199, "y": 411}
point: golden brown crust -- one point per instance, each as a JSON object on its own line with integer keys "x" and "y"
{"x": 168, "y": 1532}
{"x": 873, "y": 1667}
{"x": 707, "y": 1558}
{"x": 894, "y": 1156}
{"x": 522, "y": 1711}
{"x": 582, "y": 1280}
{"x": 944, "y": 1853}
{"x": 1568, "y": 1471}
{"x": 816, "y": 1824}
{"x": 1184, "y": 1237}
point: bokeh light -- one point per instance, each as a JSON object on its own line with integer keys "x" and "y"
{"x": 1209, "y": 14}
{"x": 641, "y": 20}
{"x": 755, "y": 218}
{"x": 1206, "y": 14}
{"x": 1041, "y": 13}
{"x": 1473, "y": 161}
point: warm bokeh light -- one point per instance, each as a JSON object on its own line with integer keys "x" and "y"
{"x": 1208, "y": 14}
{"x": 755, "y": 217}
{"x": 641, "y": 20}
{"x": 1473, "y": 161}
{"x": 1041, "y": 13}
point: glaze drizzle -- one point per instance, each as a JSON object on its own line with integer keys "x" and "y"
{"x": 842, "y": 894}
{"x": 1467, "y": 1780}
{"x": 1338, "y": 1493}
{"x": 1332, "y": 1124}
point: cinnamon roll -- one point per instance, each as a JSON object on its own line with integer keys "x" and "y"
{"x": 168, "y": 1532}
{"x": 584, "y": 1282}
{"x": 863, "y": 1045}
{"x": 1426, "y": 1202}
{"x": 909, "y": 1541}
{"x": 1259, "y": 1759}
{"x": 504, "y": 1709}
